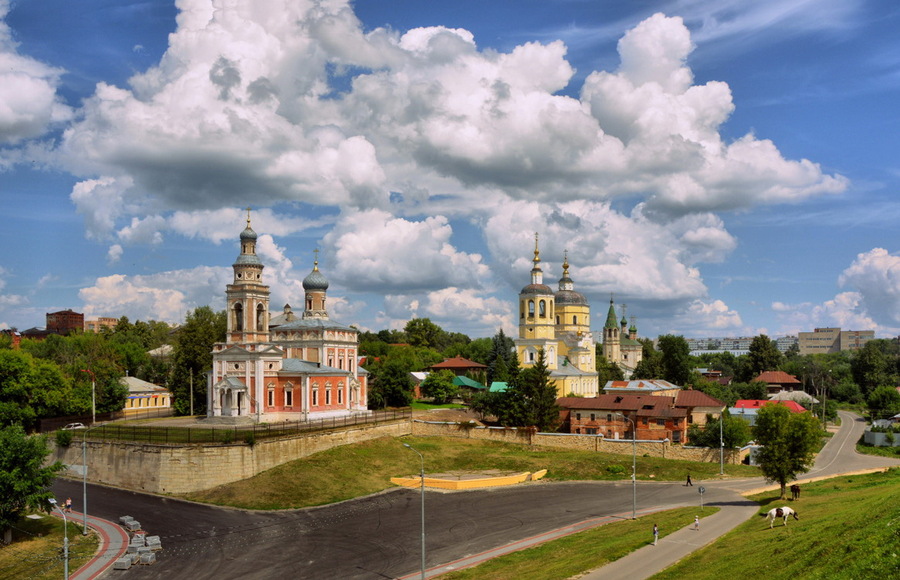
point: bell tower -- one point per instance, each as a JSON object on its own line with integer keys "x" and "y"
{"x": 247, "y": 298}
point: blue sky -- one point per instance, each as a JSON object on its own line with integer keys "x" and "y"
{"x": 723, "y": 168}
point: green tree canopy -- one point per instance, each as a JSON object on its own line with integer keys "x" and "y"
{"x": 789, "y": 443}
{"x": 763, "y": 356}
{"x": 675, "y": 359}
{"x": 871, "y": 367}
{"x": 32, "y": 389}
{"x": 192, "y": 357}
{"x": 735, "y": 432}
{"x": 534, "y": 397}
{"x": 24, "y": 480}
{"x": 391, "y": 384}
{"x": 883, "y": 402}
{"x": 423, "y": 332}
{"x": 440, "y": 387}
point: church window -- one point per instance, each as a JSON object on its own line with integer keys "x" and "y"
{"x": 271, "y": 397}
{"x": 288, "y": 397}
{"x": 574, "y": 320}
{"x": 340, "y": 396}
{"x": 260, "y": 318}
{"x": 531, "y": 308}
{"x": 327, "y": 396}
{"x": 238, "y": 316}
{"x": 315, "y": 397}
{"x": 531, "y": 356}
{"x": 557, "y": 320}
{"x": 236, "y": 366}
{"x": 543, "y": 308}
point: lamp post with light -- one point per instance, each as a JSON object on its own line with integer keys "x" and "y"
{"x": 65, "y": 538}
{"x": 422, "y": 475}
{"x": 633, "y": 465}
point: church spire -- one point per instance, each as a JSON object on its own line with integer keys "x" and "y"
{"x": 537, "y": 275}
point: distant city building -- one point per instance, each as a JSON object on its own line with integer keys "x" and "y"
{"x": 65, "y": 322}
{"x": 736, "y": 346}
{"x": 98, "y": 324}
{"x": 830, "y": 340}
{"x": 559, "y": 323}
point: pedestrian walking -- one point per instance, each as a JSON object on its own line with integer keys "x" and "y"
{"x": 697, "y": 523}
{"x": 689, "y": 482}
{"x": 655, "y": 534}
{"x": 68, "y": 505}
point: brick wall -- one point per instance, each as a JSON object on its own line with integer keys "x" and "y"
{"x": 579, "y": 442}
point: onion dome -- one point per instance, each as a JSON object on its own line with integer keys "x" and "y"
{"x": 567, "y": 294}
{"x": 537, "y": 285}
{"x": 316, "y": 280}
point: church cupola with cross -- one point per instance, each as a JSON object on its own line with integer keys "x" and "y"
{"x": 315, "y": 285}
{"x": 247, "y": 297}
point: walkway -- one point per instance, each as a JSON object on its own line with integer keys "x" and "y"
{"x": 113, "y": 543}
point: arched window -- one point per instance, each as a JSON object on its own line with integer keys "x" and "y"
{"x": 575, "y": 320}
{"x": 543, "y": 309}
{"x": 238, "y": 316}
{"x": 557, "y": 320}
{"x": 531, "y": 308}
{"x": 260, "y": 318}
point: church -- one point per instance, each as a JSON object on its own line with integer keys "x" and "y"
{"x": 560, "y": 324}
{"x": 286, "y": 367}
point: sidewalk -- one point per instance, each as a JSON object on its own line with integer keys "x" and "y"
{"x": 113, "y": 542}
{"x": 647, "y": 561}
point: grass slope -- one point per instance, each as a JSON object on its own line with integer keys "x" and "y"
{"x": 849, "y": 528}
{"x": 37, "y": 549}
{"x": 355, "y": 470}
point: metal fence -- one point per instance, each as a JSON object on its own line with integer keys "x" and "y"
{"x": 248, "y": 434}
{"x": 53, "y": 423}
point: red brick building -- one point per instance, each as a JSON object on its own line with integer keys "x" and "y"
{"x": 65, "y": 322}
{"x": 615, "y": 416}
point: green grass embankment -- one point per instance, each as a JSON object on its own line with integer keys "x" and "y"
{"x": 36, "y": 552}
{"x": 356, "y": 470}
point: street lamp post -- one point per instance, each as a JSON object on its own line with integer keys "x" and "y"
{"x": 721, "y": 445}
{"x": 93, "y": 395}
{"x": 84, "y": 528}
{"x": 633, "y": 465}
{"x": 65, "y": 539}
{"x": 422, "y": 476}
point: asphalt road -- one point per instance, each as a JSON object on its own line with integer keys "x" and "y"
{"x": 379, "y": 536}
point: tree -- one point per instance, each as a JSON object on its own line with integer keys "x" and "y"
{"x": 534, "y": 397}
{"x": 192, "y": 357}
{"x": 607, "y": 371}
{"x": 650, "y": 366}
{"x": 24, "y": 481}
{"x": 440, "y": 386}
{"x": 789, "y": 443}
{"x": 870, "y": 368}
{"x": 883, "y": 402}
{"x": 735, "y": 432}
{"x": 500, "y": 358}
{"x": 676, "y": 361}
{"x": 31, "y": 389}
{"x": 391, "y": 384}
{"x": 423, "y": 332}
{"x": 763, "y": 356}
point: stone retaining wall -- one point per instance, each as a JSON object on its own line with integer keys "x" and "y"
{"x": 579, "y": 442}
{"x": 187, "y": 468}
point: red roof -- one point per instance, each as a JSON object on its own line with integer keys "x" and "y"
{"x": 794, "y": 406}
{"x": 692, "y": 398}
{"x": 776, "y": 378}
{"x": 458, "y": 362}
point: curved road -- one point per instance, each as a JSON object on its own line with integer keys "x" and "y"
{"x": 379, "y": 537}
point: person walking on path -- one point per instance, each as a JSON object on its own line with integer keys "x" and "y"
{"x": 697, "y": 523}
{"x": 68, "y": 505}
{"x": 689, "y": 482}
{"x": 655, "y": 534}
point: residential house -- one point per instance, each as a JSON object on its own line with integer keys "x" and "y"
{"x": 777, "y": 381}
{"x": 654, "y": 387}
{"x": 644, "y": 417}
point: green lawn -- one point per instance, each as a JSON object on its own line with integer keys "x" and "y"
{"x": 37, "y": 549}
{"x": 356, "y": 470}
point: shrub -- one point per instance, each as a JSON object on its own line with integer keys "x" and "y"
{"x": 615, "y": 469}
{"x": 63, "y": 438}
{"x": 228, "y": 437}
{"x": 250, "y": 438}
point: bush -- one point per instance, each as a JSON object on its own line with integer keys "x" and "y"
{"x": 228, "y": 437}
{"x": 63, "y": 438}
{"x": 615, "y": 469}
{"x": 250, "y": 438}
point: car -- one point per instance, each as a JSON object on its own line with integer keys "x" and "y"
{"x": 71, "y": 426}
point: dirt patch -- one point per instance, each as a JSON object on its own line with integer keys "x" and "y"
{"x": 450, "y": 415}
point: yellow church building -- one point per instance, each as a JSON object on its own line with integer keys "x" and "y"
{"x": 560, "y": 324}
